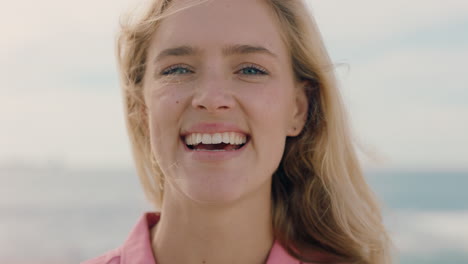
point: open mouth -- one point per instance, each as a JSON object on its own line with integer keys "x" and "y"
{"x": 215, "y": 147}
{"x": 227, "y": 141}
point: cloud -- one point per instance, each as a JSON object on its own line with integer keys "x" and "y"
{"x": 59, "y": 79}
{"x": 411, "y": 105}
{"x": 59, "y": 95}
{"x": 78, "y": 128}
{"x": 24, "y": 22}
{"x": 405, "y": 78}
{"x": 366, "y": 20}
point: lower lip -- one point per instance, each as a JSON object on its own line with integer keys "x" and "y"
{"x": 206, "y": 155}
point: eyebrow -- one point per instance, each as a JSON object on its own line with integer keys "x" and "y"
{"x": 230, "y": 50}
{"x": 177, "y": 51}
{"x": 246, "y": 49}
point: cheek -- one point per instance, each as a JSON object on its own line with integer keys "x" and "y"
{"x": 269, "y": 105}
{"x": 165, "y": 109}
{"x": 165, "y": 105}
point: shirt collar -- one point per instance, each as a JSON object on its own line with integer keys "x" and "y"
{"x": 137, "y": 248}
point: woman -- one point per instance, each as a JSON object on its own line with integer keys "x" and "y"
{"x": 241, "y": 140}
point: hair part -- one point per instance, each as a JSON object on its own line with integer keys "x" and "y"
{"x": 320, "y": 199}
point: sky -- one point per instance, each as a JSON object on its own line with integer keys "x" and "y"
{"x": 401, "y": 67}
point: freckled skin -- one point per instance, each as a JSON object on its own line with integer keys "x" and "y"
{"x": 214, "y": 93}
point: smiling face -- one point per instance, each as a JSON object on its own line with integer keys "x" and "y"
{"x": 221, "y": 100}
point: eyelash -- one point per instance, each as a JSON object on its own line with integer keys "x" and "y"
{"x": 170, "y": 70}
{"x": 262, "y": 71}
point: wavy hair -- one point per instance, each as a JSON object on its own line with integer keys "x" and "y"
{"x": 321, "y": 201}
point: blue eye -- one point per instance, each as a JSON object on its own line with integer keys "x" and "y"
{"x": 176, "y": 70}
{"x": 253, "y": 70}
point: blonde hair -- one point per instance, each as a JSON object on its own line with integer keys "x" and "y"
{"x": 321, "y": 201}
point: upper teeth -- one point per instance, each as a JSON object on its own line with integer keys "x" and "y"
{"x": 217, "y": 138}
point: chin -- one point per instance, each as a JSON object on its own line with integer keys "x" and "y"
{"x": 216, "y": 189}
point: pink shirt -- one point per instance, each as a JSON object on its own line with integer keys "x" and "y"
{"x": 137, "y": 249}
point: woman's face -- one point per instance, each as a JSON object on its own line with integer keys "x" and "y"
{"x": 221, "y": 100}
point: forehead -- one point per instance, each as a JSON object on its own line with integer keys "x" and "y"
{"x": 216, "y": 23}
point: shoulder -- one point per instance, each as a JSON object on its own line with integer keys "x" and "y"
{"x": 137, "y": 245}
{"x": 306, "y": 255}
{"x": 110, "y": 257}
{"x": 316, "y": 256}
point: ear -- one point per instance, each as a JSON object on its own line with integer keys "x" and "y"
{"x": 301, "y": 107}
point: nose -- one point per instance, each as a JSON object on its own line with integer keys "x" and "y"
{"x": 213, "y": 95}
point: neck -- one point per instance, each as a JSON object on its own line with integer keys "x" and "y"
{"x": 193, "y": 233}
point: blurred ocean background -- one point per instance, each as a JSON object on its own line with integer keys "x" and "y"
{"x": 52, "y": 214}
{"x": 67, "y": 192}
